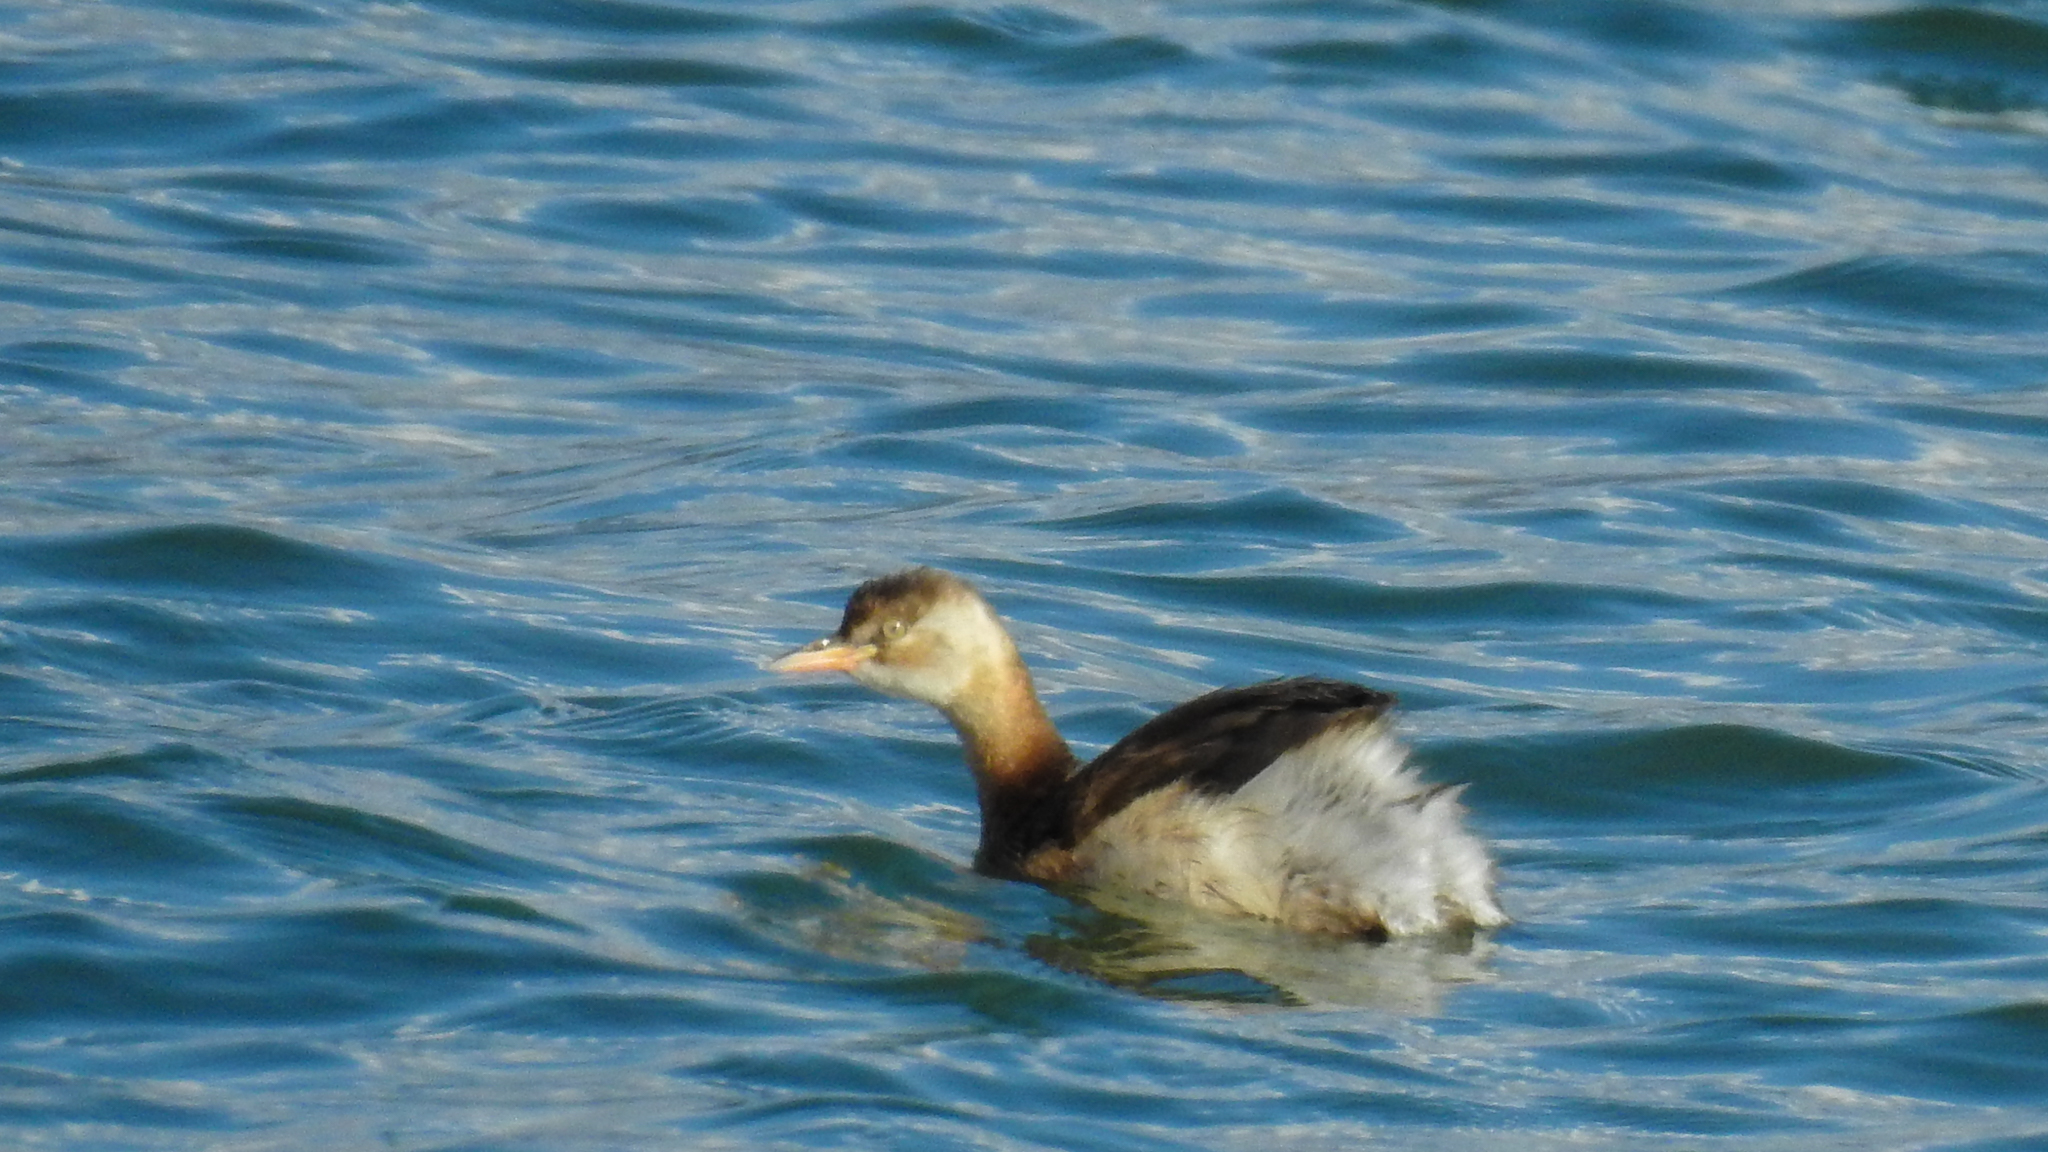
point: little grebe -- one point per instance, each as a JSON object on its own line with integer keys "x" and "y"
{"x": 1286, "y": 800}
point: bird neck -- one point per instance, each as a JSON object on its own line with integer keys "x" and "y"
{"x": 1016, "y": 754}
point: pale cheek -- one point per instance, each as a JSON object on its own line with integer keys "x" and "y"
{"x": 881, "y": 678}
{"x": 917, "y": 682}
{"x": 939, "y": 685}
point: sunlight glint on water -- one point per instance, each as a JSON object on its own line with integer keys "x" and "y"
{"x": 421, "y": 421}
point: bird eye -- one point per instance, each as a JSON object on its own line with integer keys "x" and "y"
{"x": 893, "y": 629}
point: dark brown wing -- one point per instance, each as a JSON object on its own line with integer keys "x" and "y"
{"x": 1216, "y": 743}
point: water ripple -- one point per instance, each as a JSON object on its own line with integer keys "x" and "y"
{"x": 421, "y": 421}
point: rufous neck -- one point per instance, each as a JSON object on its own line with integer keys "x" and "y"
{"x": 1011, "y": 743}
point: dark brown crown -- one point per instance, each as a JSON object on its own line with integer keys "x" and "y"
{"x": 905, "y": 595}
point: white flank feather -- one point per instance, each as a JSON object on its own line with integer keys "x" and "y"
{"x": 1335, "y": 835}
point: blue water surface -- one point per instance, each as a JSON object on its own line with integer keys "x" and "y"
{"x": 420, "y": 420}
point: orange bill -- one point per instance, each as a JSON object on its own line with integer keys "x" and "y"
{"x": 830, "y": 654}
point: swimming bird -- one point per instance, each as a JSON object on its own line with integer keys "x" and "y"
{"x": 1288, "y": 800}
